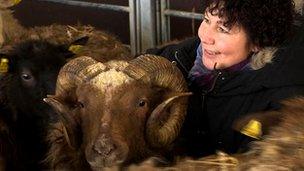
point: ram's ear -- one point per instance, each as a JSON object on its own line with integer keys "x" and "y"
{"x": 59, "y": 107}
{"x": 257, "y": 124}
{"x": 71, "y": 126}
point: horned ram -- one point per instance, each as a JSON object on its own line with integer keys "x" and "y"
{"x": 115, "y": 113}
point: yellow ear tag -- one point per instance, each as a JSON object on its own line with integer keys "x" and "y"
{"x": 16, "y": 2}
{"x": 253, "y": 129}
{"x": 4, "y": 65}
{"x": 75, "y": 48}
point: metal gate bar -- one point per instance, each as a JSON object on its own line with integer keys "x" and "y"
{"x": 146, "y": 26}
{"x": 131, "y": 9}
{"x": 149, "y": 20}
{"x": 165, "y": 13}
{"x": 183, "y": 14}
{"x": 91, "y": 4}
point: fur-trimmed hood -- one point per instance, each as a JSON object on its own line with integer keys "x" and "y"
{"x": 274, "y": 68}
{"x": 299, "y": 6}
{"x": 263, "y": 57}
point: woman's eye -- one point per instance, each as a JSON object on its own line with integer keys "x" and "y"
{"x": 223, "y": 29}
{"x": 206, "y": 20}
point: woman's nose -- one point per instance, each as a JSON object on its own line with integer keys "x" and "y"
{"x": 206, "y": 35}
{"x": 207, "y": 38}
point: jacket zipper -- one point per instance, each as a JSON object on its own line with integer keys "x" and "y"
{"x": 204, "y": 93}
{"x": 179, "y": 61}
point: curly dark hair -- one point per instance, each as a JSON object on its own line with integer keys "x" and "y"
{"x": 266, "y": 22}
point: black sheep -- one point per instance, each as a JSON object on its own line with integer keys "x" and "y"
{"x": 33, "y": 67}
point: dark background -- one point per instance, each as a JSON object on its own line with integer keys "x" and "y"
{"x": 36, "y": 13}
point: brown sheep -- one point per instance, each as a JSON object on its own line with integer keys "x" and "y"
{"x": 92, "y": 42}
{"x": 100, "y": 45}
{"x": 115, "y": 113}
{"x": 10, "y": 29}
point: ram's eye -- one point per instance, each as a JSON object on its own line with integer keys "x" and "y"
{"x": 26, "y": 77}
{"x": 78, "y": 105}
{"x": 142, "y": 103}
{"x": 81, "y": 105}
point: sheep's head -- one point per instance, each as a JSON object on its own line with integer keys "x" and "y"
{"x": 126, "y": 111}
{"x": 31, "y": 70}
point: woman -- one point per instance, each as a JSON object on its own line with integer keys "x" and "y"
{"x": 239, "y": 64}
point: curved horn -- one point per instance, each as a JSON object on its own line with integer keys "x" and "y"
{"x": 161, "y": 72}
{"x": 74, "y": 73}
{"x": 71, "y": 75}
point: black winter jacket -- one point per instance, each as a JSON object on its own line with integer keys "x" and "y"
{"x": 211, "y": 113}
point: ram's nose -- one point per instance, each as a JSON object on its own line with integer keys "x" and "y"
{"x": 105, "y": 152}
{"x": 104, "y": 145}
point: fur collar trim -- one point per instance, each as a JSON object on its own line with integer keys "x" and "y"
{"x": 263, "y": 57}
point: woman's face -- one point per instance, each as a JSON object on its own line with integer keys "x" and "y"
{"x": 222, "y": 45}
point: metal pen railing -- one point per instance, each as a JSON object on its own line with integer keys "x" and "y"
{"x": 149, "y": 20}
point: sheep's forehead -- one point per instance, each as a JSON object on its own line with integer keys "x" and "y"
{"x": 110, "y": 80}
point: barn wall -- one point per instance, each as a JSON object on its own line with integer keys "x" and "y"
{"x": 37, "y": 13}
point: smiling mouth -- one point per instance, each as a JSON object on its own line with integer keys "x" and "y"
{"x": 211, "y": 52}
